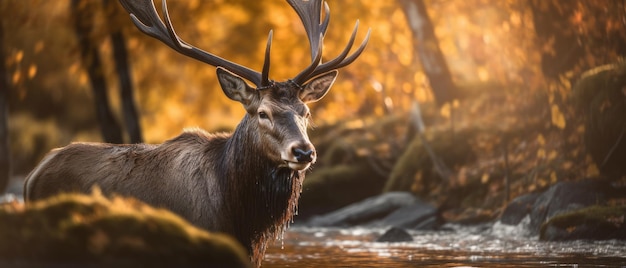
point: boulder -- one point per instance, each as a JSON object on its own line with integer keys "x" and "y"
{"x": 592, "y": 223}
{"x": 393, "y": 209}
{"x": 567, "y": 196}
{"x": 93, "y": 231}
{"x": 517, "y": 209}
{"x": 365, "y": 211}
{"x": 395, "y": 234}
{"x": 332, "y": 187}
{"x": 416, "y": 216}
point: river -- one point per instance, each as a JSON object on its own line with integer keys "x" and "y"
{"x": 492, "y": 245}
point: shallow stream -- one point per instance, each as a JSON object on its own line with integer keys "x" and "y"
{"x": 493, "y": 245}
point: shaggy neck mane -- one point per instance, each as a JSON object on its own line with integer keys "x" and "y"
{"x": 261, "y": 196}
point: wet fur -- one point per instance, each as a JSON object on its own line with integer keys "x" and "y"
{"x": 219, "y": 182}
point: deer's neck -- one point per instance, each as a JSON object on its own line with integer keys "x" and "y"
{"x": 261, "y": 196}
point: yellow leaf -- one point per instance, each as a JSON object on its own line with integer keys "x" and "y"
{"x": 553, "y": 177}
{"x": 485, "y": 178}
{"x": 541, "y": 140}
{"x": 462, "y": 176}
{"x": 541, "y": 153}
{"x": 552, "y": 155}
{"x": 483, "y": 74}
{"x": 16, "y": 77}
{"x": 565, "y": 81}
{"x": 567, "y": 165}
{"x": 557, "y": 117}
{"x": 592, "y": 170}
{"x": 38, "y": 47}
{"x": 445, "y": 110}
{"x": 19, "y": 56}
{"x": 32, "y": 71}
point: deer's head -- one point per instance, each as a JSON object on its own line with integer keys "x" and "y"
{"x": 279, "y": 109}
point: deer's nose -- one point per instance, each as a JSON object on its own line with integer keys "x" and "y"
{"x": 304, "y": 156}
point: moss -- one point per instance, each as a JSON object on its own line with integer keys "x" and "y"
{"x": 600, "y": 98}
{"x": 595, "y": 222}
{"x": 598, "y": 82}
{"x": 453, "y": 149}
{"x": 74, "y": 228}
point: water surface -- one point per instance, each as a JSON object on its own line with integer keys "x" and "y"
{"x": 456, "y": 246}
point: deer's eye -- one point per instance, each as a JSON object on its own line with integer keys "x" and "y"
{"x": 263, "y": 115}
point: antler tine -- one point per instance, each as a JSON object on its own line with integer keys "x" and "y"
{"x": 303, "y": 76}
{"x": 342, "y": 60}
{"x": 309, "y": 12}
{"x": 144, "y": 15}
{"x": 265, "y": 81}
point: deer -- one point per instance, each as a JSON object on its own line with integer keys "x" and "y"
{"x": 246, "y": 183}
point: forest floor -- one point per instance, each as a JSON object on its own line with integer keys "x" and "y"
{"x": 489, "y": 148}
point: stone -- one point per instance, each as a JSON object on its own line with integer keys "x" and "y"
{"x": 517, "y": 209}
{"x": 567, "y": 196}
{"x": 395, "y": 234}
{"x": 364, "y": 212}
{"x": 417, "y": 216}
{"x": 591, "y": 223}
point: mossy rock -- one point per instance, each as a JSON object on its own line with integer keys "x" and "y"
{"x": 452, "y": 148}
{"x": 591, "y": 223}
{"x": 91, "y": 230}
{"x": 347, "y": 170}
{"x": 327, "y": 189}
{"x": 600, "y": 97}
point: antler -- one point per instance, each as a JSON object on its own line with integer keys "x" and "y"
{"x": 144, "y": 15}
{"x": 310, "y": 14}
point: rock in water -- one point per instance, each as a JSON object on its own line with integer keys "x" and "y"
{"x": 395, "y": 234}
{"x": 417, "y": 216}
{"x": 567, "y": 196}
{"x": 592, "y": 223}
{"x": 517, "y": 209}
{"x": 366, "y": 211}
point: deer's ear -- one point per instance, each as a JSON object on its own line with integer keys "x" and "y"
{"x": 317, "y": 87}
{"x": 235, "y": 87}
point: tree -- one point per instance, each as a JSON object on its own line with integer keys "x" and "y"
{"x": 426, "y": 45}
{"x": 83, "y": 14}
{"x": 120, "y": 56}
{"x": 5, "y": 160}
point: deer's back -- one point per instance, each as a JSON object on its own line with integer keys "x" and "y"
{"x": 178, "y": 174}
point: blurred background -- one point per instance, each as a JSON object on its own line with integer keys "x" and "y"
{"x": 466, "y": 104}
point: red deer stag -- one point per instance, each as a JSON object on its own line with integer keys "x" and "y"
{"x": 245, "y": 184}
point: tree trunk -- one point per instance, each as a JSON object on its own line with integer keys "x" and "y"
{"x": 5, "y": 152}
{"x": 120, "y": 54}
{"x": 426, "y": 45}
{"x": 83, "y": 15}
{"x": 131, "y": 119}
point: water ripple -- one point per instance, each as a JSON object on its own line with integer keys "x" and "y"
{"x": 494, "y": 245}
